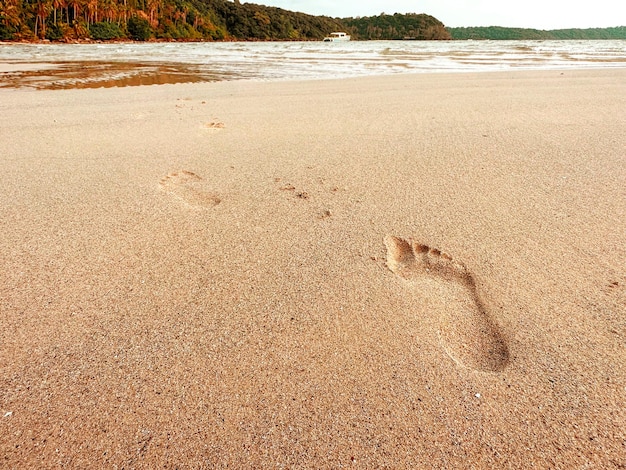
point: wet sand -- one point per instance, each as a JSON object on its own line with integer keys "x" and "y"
{"x": 417, "y": 271}
{"x": 94, "y": 74}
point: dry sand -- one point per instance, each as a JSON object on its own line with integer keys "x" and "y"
{"x": 421, "y": 271}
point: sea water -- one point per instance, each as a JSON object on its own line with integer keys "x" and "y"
{"x": 314, "y": 60}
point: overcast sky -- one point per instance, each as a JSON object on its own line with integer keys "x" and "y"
{"x": 540, "y": 14}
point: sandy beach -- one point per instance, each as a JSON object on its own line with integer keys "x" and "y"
{"x": 413, "y": 271}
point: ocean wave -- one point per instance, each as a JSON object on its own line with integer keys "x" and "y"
{"x": 315, "y": 60}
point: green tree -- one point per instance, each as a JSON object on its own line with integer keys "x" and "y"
{"x": 139, "y": 29}
{"x": 105, "y": 31}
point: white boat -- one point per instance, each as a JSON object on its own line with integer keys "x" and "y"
{"x": 338, "y": 36}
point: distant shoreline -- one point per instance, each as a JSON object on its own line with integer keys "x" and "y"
{"x": 461, "y": 33}
{"x": 504, "y": 33}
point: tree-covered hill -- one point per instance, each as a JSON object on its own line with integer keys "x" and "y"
{"x": 70, "y": 20}
{"x": 156, "y": 19}
{"x": 497, "y": 32}
{"x": 398, "y": 26}
{"x": 142, "y": 20}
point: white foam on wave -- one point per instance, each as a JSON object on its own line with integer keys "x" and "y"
{"x": 314, "y": 60}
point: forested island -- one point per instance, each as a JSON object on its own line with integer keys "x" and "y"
{"x": 500, "y": 33}
{"x": 225, "y": 20}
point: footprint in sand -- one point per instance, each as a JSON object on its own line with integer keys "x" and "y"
{"x": 190, "y": 188}
{"x": 466, "y": 332}
{"x": 214, "y": 124}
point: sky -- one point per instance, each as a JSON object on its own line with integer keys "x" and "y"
{"x": 539, "y": 14}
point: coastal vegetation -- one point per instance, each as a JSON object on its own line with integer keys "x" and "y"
{"x": 500, "y": 33}
{"x": 142, "y": 20}
{"x": 398, "y": 26}
{"x": 201, "y": 20}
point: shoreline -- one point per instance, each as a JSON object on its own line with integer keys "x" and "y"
{"x": 94, "y": 65}
{"x": 409, "y": 270}
{"x": 58, "y": 75}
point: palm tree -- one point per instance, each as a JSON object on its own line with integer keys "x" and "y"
{"x": 42, "y": 10}
{"x": 109, "y": 10}
{"x": 57, "y": 4}
{"x": 125, "y": 10}
{"x": 10, "y": 13}
{"x": 76, "y": 6}
{"x": 153, "y": 12}
{"x": 91, "y": 14}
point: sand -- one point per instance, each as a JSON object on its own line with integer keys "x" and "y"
{"x": 419, "y": 271}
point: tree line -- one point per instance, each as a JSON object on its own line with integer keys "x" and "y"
{"x": 142, "y": 20}
{"x": 397, "y": 26}
{"x": 500, "y": 33}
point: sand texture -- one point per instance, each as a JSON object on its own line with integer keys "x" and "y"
{"x": 419, "y": 271}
